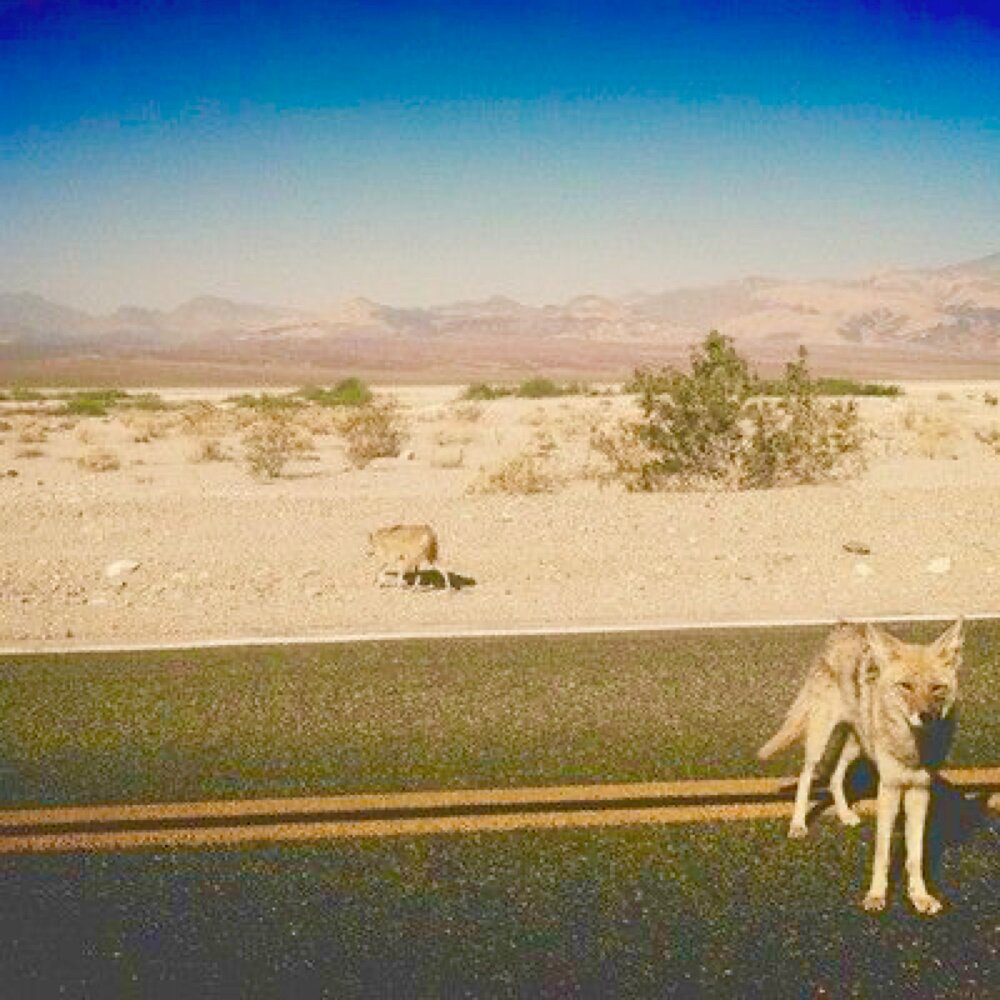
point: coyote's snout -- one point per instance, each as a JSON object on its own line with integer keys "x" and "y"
{"x": 404, "y": 548}
{"x": 890, "y": 696}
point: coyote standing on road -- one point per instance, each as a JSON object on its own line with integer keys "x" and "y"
{"x": 405, "y": 548}
{"x": 892, "y": 696}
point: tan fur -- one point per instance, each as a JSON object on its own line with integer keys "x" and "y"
{"x": 888, "y": 695}
{"x": 404, "y": 548}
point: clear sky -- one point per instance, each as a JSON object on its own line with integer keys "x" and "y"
{"x": 419, "y": 152}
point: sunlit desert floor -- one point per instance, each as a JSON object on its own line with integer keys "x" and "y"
{"x": 222, "y": 554}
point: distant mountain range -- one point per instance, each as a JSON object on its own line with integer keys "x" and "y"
{"x": 952, "y": 311}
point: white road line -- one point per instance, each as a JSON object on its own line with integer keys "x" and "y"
{"x": 324, "y": 639}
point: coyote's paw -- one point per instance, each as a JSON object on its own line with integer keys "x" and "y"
{"x": 874, "y": 902}
{"x": 849, "y": 817}
{"x": 925, "y": 903}
{"x": 797, "y": 831}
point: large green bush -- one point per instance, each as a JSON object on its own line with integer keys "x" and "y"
{"x": 710, "y": 427}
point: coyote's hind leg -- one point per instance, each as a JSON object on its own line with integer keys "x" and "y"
{"x": 821, "y": 724}
{"x": 848, "y": 754}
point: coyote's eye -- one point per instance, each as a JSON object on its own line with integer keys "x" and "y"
{"x": 939, "y": 690}
{"x": 905, "y": 686}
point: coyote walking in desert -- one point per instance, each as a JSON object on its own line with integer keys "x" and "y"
{"x": 892, "y": 697}
{"x": 405, "y": 548}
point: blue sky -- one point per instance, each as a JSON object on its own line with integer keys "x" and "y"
{"x": 419, "y": 152}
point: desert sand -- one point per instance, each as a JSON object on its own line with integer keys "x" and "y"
{"x": 209, "y": 552}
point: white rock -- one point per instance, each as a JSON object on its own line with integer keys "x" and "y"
{"x": 940, "y": 565}
{"x": 120, "y": 568}
{"x": 863, "y": 570}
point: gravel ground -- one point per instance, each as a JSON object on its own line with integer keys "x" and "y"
{"x": 220, "y": 554}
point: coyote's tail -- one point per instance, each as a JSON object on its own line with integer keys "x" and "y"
{"x": 791, "y": 729}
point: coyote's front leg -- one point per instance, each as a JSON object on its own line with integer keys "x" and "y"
{"x": 916, "y": 801}
{"x": 888, "y": 808}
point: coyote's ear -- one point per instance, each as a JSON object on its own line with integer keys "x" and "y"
{"x": 949, "y": 643}
{"x": 881, "y": 645}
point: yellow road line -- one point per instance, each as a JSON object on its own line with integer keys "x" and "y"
{"x": 465, "y": 797}
{"x": 759, "y": 798}
{"x": 298, "y": 832}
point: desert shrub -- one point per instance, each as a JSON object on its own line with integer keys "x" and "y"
{"x": 709, "y": 427}
{"x": 148, "y": 402}
{"x": 30, "y": 453}
{"x": 627, "y": 458}
{"x": 85, "y": 407}
{"x": 829, "y": 386}
{"x": 33, "y": 433}
{"x": 524, "y": 473}
{"x": 320, "y": 421}
{"x": 538, "y": 388}
{"x": 91, "y": 402}
{"x": 468, "y": 413}
{"x": 576, "y": 424}
{"x": 271, "y": 443}
{"x": 797, "y": 438}
{"x": 692, "y": 423}
{"x": 209, "y": 450}
{"x": 142, "y": 433}
{"x": 99, "y": 460}
{"x": 934, "y": 435}
{"x": 108, "y": 396}
{"x": 546, "y": 388}
{"x": 373, "y": 431}
{"x": 990, "y": 437}
{"x": 347, "y": 392}
{"x": 544, "y": 443}
{"x": 145, "y": 426}
{"x": 21, "y": 394}
{"x": 266, "y": 402}
{"x": 483, "y": 391}
{"x": 821, "y": 386}
{"x": 990, "y": 399}
{"x": 645, "y": 379}
{"x": 201, "y": 419}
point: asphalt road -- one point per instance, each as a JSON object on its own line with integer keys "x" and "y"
{"x": 689, "y": 911}
{"x": 422, "y": 715}
{"x": 734, "y": 910}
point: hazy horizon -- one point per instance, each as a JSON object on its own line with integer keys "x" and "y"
{"x": 196, "y": 295}
{"x": 418, "y": 153}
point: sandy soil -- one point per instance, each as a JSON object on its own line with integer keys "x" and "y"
{"x": 221, "y": 554}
